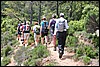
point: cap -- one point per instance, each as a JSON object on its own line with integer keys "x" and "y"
{"x": 61, "y": 14}
{"x": 44, "y": 18}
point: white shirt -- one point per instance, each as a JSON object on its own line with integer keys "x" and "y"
{"x": 97, "y": 32}
{"x": 66, "y": 25}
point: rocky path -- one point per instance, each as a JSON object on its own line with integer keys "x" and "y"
{"x": 66, "y": 59}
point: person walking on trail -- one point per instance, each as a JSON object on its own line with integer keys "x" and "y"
{"x": 21, "y": 29}
{"x": 44, "y": 31}
{"x": 60, "y": 32}
{"x": 26, "y": 32}
{"x": 36, "y": 31}
{"x": 18, "y": 30}
{"x": 52, "y": 28}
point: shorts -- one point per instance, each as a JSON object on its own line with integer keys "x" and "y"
{"x": 26, "y": 35}
{"x": 44, "y": 34}
{"x": 36, "y": 37}
{"x": 51, "y": 32}
{"x": 19, "y": 32}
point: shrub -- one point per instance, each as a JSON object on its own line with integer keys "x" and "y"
{"x": 5, "y": 61}
{"x": 6, "y": 50}
{"x": 29, "y": 56}
{"x": 86, "y": 60}
{"x": 40, "y": 51}
{"x": 95, "y": 40}
{"x": 76, "y": 26}
{"x": 90, "y": 51}
{"x": 71, "y": 41}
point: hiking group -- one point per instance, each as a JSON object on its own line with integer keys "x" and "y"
{"x": 56, "y": 27}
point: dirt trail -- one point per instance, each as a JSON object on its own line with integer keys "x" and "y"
{"x": 66, "y": 58}
{"x": 65, "y": 61}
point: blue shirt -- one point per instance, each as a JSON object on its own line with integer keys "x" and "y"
{"x": 43, "y": 25}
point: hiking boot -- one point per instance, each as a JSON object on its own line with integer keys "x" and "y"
{"x": 60, "y": 54}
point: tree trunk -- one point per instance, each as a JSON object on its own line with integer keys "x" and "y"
{"x": 31, "y": 15}
{"x": 57, "y": 8}
{"x": 39, "y": 17}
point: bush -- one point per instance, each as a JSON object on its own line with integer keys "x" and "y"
{"x": 71, "y": 41}
{"x": 29, "y": 56}
{"x": 5, "y": 61}
{"x": 76, "y": 26}
{"x": 86, "y": 60}
{"x": 5, "y": 51}
{"x": 95, "y": 40}
{"x": 90, "y": 52}
{"x": 40, "y": 51}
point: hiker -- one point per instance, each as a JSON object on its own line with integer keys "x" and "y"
{"x": 18, "y": 30}
{"x": 26, "y": 32}
{"x": 52, "y": 28}
{"x": 60, "y": 32}
{"x": 44, "y": 31}
{"x": 36, "y": 31}
{"x": 21, "y": 29}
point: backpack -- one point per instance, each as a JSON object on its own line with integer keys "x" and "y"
{"x": 37, "y": 30}
{"x": 45, "y": 28}
{"x": 52, "y": 25}
{"x": 61, "y": 26}
{"x": 19, "y": 25}
{"x": 21, "y": 28}
{"x": 26, "y": 28}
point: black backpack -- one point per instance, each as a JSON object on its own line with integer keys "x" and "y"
{"x": 45, "y": 29}
{"x": 37, "y": 30}
{"x": 52, "y": 24}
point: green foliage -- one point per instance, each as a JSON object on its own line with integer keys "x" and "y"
{"x": 76, "y": 26}
{"x": 95, "y": 40}
{"x": 91, "y": 17}
{"x": 6, "y": 50}
{"x": 81, "y": 16}
{"x": 71, "y": 41}
{"x": 5, "y": 61}
{"x": 80, "y": 51}
{"x": 90, "y": 52}
{"x": 86, "y": 60}
{"x": 30, "y": 55}
{"x": 40, "y": 51}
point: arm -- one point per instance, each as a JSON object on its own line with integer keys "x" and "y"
{"x": 66, "y": 24}
{"x": 55, "y": 31}
{"x": 49, "y": 24}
